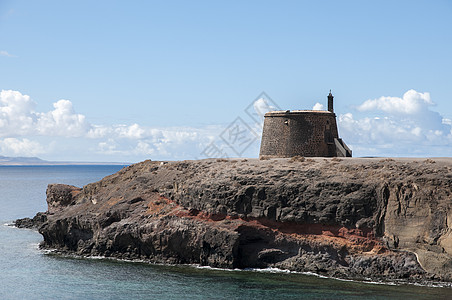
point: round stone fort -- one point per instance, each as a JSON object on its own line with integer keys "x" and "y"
{"x": 309, "y": 133}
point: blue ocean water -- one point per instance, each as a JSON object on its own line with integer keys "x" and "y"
{"x": 29, "y": 273}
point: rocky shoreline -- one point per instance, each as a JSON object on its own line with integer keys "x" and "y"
{"x": 382, "y": 219}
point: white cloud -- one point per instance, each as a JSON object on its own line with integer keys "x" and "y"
{"x": 385, "y": 126}
{"x": 144, "y": 148}
{"x": 20, "y": 147}
{"x": 447, "y": 121}
{"x": 98, "y": 131}
{"x": 261, "y": 107}
{"x": 62, "y": 121}
{"x": 411, "y": 103}
{"x": 403, "y": 126}
{"x": 170, "y": 143}
{"x": 133, "y": 131}
{"x": 19, "y": 118}
{"x": 5, "y": 53}
{"x": 318, "y": 106}
{"x": 67, "y": 133}
{"x": 17, "y": 115}
{"x": 107, "y": 147}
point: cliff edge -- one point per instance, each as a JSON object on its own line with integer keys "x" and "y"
{"x": 349, "y": 218}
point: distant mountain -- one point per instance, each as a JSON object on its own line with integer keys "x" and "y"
{"x": 5, "y": 160}
{"x": 33, "y": 160}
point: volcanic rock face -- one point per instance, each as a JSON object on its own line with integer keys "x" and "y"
{"x": 348, "y": 218}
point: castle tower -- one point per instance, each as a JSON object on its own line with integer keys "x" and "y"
{"x": 302, "y": 133}
{"x": 330, "y": 102}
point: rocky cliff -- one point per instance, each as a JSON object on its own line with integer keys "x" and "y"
{"x": 350, "y": 218}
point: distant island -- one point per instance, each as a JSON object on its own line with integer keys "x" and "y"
{"x": 36, "y": 161}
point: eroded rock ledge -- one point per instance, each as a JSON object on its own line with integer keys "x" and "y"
{"x": 352, "y": 218}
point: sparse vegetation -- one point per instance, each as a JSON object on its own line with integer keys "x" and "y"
{"x": 387, "y": 160}
{"x": 429, "y": 161}
{"x": 298, "y": 158}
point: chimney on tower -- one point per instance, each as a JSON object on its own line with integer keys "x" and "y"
{"x": 330, "y": 102}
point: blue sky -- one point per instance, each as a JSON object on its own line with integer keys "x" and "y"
{"x": 127, "y": 81}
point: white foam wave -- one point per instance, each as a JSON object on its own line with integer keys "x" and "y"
{"x": 269, "y": 270}
{"x": 214, "y": 269}
{"x": 435, "y": 284}
{"x": 365, "y": 280}
{"x": 264, "y": 270}
{"x": 48, "y": 251}
{"x": 35, "y": 246}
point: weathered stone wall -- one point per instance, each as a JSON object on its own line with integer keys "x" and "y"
{"x": 304, "y": 133}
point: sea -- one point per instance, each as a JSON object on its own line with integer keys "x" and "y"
{"x": 26, "y": 272}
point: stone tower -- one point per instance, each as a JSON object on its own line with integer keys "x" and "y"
{"x": 330, "y": 102}
{"x": 302, "y": 133}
